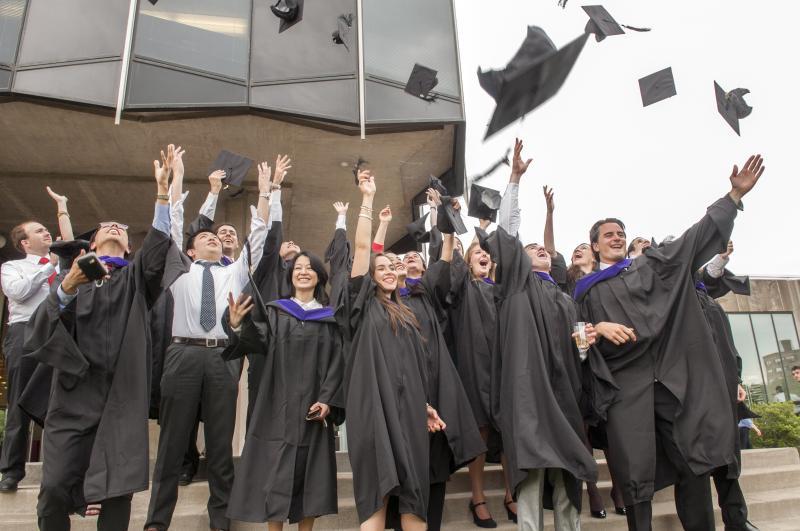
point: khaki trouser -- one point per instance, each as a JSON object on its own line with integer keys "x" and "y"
{"x": 530, "y": 514}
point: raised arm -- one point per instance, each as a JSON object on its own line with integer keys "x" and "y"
{"x": 385, "y": 217}
{"x": 448, "y": 242}
{"x": 549, "y": 236}
{"x": 176, "y": 190}
{"x": 366, "y": 183}
{"x": 508, "y": 216}
{"x": 64, "y": 222}
{"x": 177, "y": 197}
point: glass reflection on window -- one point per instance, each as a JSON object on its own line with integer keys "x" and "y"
{"x": 752, "y": 379}
{"x": 11, "y": 12}
{"x": 207, "y": 35}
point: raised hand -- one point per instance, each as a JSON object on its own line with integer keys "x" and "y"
{"x": 743, "y": 181}
{"x": 264, "y": 177}
{"x": 433, "y": 197}
{"x": 162, "y": 169}
{"x": 282, "y": 166}
{"x": 238, "y": 309}
{"x": 615, "y": 332}
{"x": 215, "y": 181}
{"x": 548, "y": 198}
{"x": 176, "y": 164}
{"x": 728, "y": 251}
{"x": 366, "y": 183}
{"x": 456, "y": 204}
{"x": 518, "y": 166}
{"x": 385, "y": 215}
{"x": 341, "y": 208}
{"x": 484, "y": 223}
{"x": 61, "y": 200}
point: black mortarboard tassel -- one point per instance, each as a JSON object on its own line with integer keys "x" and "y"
{"x": 449, "y": 219}
{"x": 344, "y": 32}
{"x": 483, "y": 202}
{"x": 416, "y": 229}
{"x": 235, "y": 167}
{"x": 421, "y": 82}
{"x": 731, "y": 105}
{"x": 289, "y": 11}
{"x": 500, "y": 162}
{"x": 657, "y": 86}
{"x": 357, "y": 167}
{"x": 535, "y": 77}
{"x": 603, "y": 25}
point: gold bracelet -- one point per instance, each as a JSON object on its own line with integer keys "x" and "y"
{"x": 162, "y": 197}
{"x": 63, "y": 214}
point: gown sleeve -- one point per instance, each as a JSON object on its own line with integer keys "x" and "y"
{"x": 338, "y": 254}
{"x": 267, "y": 273}
{"x": 513, "y": 263}
{"x": 252, "y": 338}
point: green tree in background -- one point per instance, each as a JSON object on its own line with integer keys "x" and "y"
{"x": 779, "y": 425}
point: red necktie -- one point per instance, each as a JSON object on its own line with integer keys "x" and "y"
{"x": 44, "y": 260}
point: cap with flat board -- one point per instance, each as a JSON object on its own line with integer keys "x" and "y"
{"x": 235, "y": 167}
{"x": 68, "y": 251}
{"x": 289, "y": 11}
{"x": 603, "y": 25}
{"x": 731, "y": 105}
{"x": 357, "y": 168}
{"x": 528, "y": 84}
{"x": 449, "y": 219}
{"x": 421, "y": 82}
{"x": 437, "y": 184}
{"x": 483, "y": 202}
{"x": 416, "y": 229}
{"x": 657, "y": 86}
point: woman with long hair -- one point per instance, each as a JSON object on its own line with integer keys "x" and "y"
{"x": 288, "y": 465}
{"x": 388, "y": 399}
{"x": 583, "y": 263}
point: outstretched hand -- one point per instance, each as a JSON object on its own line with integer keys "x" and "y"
{"x": 215, "y": 181}
{"x": 162, "y": 168}
{"x": 238, "y": 309}
{"x": 366, "y": 183}
{"x": 264, "y": 176}
{"x": 743, "y": 181}
{"x": 548, "y": 199}
{"x": 433, "y": 197}
{"x": 176, "y": 164}
{"x": 386, "y": 214}
{"x": 518, "y": 166}
{"x": 282, "y": 166}
{"x": 341, "y": 208}
{"x": 61, "y": 200}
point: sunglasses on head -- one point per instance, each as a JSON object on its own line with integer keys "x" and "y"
{"x": 109, "y": 224}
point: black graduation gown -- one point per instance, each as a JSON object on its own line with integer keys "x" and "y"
{"x": 656, "y": 297}
{"x": 445, "y": 392}
{"x": 106, "y": 329}
{"x": 534, "y": 396}
{"x": 303, "y": 365}
{"x": 473, "y": 321}
{"x": 387, "y": 435}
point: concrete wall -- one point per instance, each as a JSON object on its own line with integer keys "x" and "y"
{"x": 767, "y": 295}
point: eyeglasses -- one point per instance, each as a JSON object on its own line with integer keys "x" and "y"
{"x": 109, "y": 224}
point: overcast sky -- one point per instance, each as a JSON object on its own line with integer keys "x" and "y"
{"x": 656, "y": 168}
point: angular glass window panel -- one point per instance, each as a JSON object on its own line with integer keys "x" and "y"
{"x": 74, "y": 30}
{"x": 209, "y": 35}
{"x": 386, "y": 103}
{"x": 307, "y": 48}
{"x": 336, "y": 100}
{"x": 399, "y": 33}
{"x": 5, "y": 79}
{"x": 768, "y": 351}
{"x": 11, "y": 12}
{"x": 153, "y": 86}
{"x": 790, "y": 353}
{"x": 94, "y": 83}
{"x": 746, "y": 345}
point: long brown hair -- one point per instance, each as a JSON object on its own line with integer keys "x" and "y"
{"x": 399, "y": 314}
{"x": 468, "y": 257}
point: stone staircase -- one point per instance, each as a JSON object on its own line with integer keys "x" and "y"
{"x": 770, "y": 480}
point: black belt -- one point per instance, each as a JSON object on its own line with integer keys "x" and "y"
{"x": 200, "y": 342}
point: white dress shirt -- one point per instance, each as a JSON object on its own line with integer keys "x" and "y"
{"x": 716, "y": 267}
{"x": 25, "y": 286}
{"x": 508, "y": 215}
{"x": 313, "y": 304}
{"x": 187, "y": 291}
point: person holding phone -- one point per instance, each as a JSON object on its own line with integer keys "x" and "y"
{"x": 288, "y": 465}
{"x": 94, "y": 334}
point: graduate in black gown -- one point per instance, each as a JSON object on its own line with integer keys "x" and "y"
{"x": 426, "y": 295}
{"x": 663, "y": 358}
{"x": 389, "y": 414}
{"x": 534, "y": 385}
{"x": 95, "y": 336}
{"x": 288, "y": 465}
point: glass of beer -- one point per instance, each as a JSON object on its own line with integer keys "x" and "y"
{"x": 581, "y": 341}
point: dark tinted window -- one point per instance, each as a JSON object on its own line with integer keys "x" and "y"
{"x": 208, "y": 35}
{"x": 70, "y": 30}
{"x": 153, "y": 86}
{"x": 90, "y": 83}
{"x": 11, "y": 12}
{"x": 335, "y": 99}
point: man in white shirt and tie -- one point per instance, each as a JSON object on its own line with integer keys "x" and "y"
{"x": 25, "y": 285}
{"x": 195, "y": 375}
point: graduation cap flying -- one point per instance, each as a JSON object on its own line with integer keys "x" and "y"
{"x": 534, "y": 75}
{"x": 657, "y": 86}
{"x": 357, "y": 168}
{"x": 731, "y": 105}
{"x": 483, "y": 202}
{"x": 344, "y": 32}
{"x": 235, "y": 167}
{"x": 421, "y": 82}
{"x": 289, "y": 11}
{"x": 603, "y": 25}
{"x": 416, "y": 229}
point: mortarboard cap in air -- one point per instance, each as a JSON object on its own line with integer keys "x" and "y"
{"x": 483, "y": 202}
{"x": 437, "y": 184}
{"x": 357, "y": 168}
{"x": 449, "y": 219}
{"x": 657, "y": 86}
{"x": 235, "y": 168}
{"x": 525, "y": 87}
{"x": 344, "y": 31}
{"x": 603, "y": 25}
{"x": 416, "y": 229}
{"x": 421, "y": 82}
{"x": 731, "y": 105}
{"x": 289, "y": 11}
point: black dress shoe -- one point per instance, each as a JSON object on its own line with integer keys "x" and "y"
{"x": 621, "y": 510}
{"x": 185, "y": 479}
{"x": 599, "y": 514}
{"x": 487, "y": 523}
{"x": 511, "y": 514}
{"x": 8, "y": 484}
